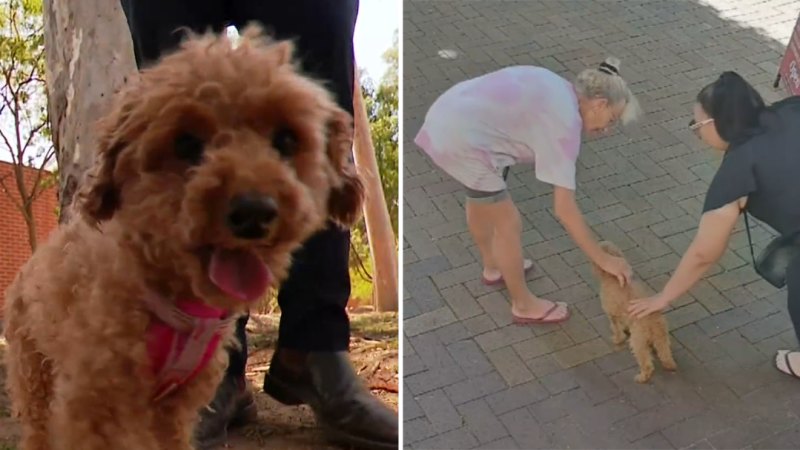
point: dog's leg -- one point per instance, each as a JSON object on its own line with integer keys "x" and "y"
{"x": 641, "y": 351}
{"x": 662, "y": 346}
{"x": 29, "y": 381}
{"x": 102, "y": 401}
{"x": 174, "y": 425}
{"x": 617, "y": 330}
{"x": 178, "y": 414}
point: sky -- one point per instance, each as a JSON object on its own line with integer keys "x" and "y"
{"x": 375, "y": 26}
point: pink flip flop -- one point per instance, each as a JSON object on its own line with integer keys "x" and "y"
{"x": 500, "y": 280}
{"x": 517, "y": 320}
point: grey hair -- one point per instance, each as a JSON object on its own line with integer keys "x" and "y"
{"x": 605, "y": 82}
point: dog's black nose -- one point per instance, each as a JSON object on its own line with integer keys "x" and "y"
{"x": 251, "y": 214}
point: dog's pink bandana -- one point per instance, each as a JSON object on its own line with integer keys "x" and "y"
{"x": 181, "y": 340}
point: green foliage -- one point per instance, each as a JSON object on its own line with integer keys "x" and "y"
{"x": 21, "y": 36}
{"x": 360, "y": 289}
{"x": 382, "y": 109}
{"x": 25, "y": 137}
{"x": 22, "y": 68}
{"x": 381, "y": 103}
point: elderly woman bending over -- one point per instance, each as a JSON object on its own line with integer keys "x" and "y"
{"x": 479, "y": 128}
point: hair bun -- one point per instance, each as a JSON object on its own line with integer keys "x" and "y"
{"x": 610, "y": 66}
{"x": 731, "y": 76}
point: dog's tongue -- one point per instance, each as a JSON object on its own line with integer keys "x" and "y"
{"x": 239, "y": 273}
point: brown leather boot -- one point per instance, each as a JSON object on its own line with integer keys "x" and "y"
{"x": 345, "y": 410}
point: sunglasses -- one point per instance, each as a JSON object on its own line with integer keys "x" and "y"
{"x": 695, "y": 125}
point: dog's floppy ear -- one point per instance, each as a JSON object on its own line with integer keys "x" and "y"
{"x": 99, "y": 195}
{"x": 347, "y": 190}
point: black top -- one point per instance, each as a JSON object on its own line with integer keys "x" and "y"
{"x": 765, "y": 168}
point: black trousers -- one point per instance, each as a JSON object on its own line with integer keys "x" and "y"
{"x": 313, "y": 298}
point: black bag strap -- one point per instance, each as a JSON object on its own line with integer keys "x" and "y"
{"x": 749, "y": 238}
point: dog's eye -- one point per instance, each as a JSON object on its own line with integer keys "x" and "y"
{"x": 189, "y": 147}
{"x": 285, "y": 141}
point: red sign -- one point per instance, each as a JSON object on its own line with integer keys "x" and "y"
{"x": 790, "y": 66}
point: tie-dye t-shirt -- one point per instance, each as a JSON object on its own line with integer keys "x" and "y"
{"x": 517, "y": 115}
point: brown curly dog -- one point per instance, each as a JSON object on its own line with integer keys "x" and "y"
{"x": 213, "y": 167}
{"x": 650, "y": 331}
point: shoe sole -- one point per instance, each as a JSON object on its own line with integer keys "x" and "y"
{"x": 337, "y": 437}
{"x": 500, "y": 280}
{"x": 282, "y": 393}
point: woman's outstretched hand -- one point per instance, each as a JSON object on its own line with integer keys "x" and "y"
{"x": 643, "y": 307}
{"x": 618, "y": 267}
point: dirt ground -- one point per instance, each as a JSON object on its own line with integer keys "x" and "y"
{"x": 373, "y": 350}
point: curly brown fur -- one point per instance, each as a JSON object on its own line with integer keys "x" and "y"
{"x": 152, "y": 212}
{"x": 650, "y": 331}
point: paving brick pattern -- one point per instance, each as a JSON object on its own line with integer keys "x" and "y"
{"x": 473, "y": 380}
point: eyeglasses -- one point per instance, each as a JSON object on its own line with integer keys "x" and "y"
{"x": 694, "y": 125}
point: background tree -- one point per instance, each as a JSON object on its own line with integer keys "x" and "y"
{"x": 24, "y": 131}
{"x": 382, "y": 109}
{"x": 381, "y": 105}
{"x": 89, "y": 55}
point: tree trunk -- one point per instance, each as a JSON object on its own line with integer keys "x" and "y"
{"x": 88, "y": 55}
{"x": 379, "y": 226}
{"x": 30, "y": 223}
{"x": 26, "y": 202}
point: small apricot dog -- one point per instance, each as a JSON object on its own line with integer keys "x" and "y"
{"x": 650, "y": 331}
{"x": 212, "y": 167}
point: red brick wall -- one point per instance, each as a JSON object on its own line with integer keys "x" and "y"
{"x": 14, "y": 246}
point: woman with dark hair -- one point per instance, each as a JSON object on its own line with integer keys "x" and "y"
{"x": 758, "y": 175}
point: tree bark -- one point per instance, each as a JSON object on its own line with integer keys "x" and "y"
{"x": 379, "y": 226}
{"x": 88, "y": 57}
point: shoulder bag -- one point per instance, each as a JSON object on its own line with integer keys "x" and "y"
{"x": 774, "y": 260}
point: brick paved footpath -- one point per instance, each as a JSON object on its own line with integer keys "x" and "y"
{"x": 474, "y": 380}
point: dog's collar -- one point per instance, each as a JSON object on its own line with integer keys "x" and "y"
{"x": 182, "y": 339}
